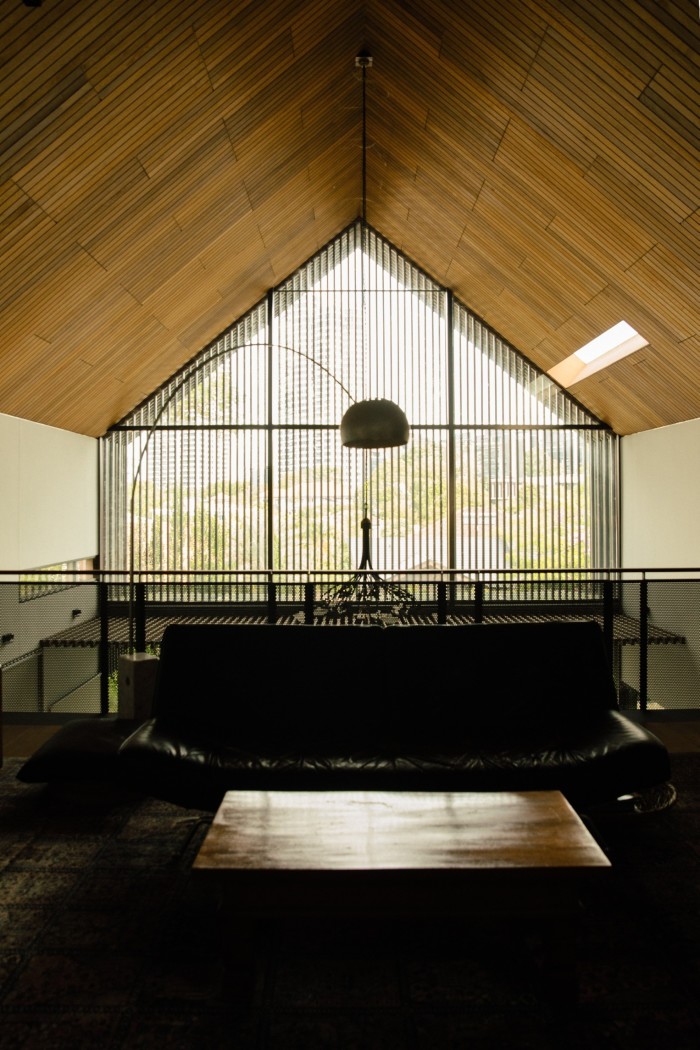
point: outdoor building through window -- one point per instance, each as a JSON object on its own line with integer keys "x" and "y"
{"x": 236, "y": 464}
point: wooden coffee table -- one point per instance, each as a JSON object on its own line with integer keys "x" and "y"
{"x": 406, "y": 855}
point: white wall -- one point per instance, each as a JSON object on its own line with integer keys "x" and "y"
{"x": 48, "y": 494}
{"x": 660, "y": 486}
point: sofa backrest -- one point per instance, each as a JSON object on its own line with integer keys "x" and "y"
{"x": 367, "y": 685}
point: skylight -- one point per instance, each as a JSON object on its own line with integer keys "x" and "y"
{"x": 611, "y": 346}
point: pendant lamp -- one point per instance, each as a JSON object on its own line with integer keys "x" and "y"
{"x": 374, "y": 424}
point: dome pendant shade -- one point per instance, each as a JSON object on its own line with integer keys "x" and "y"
{"x": 374, "y": 424}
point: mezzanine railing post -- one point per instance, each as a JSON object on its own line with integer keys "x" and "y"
{"x": 103, "y": 650}
{"x": 608, "y": 618}
{"x": 479, "y": 601}
{"x": 441, "y": 602}
{"x": 309, "y": 601}
{"x": 140, "y": 617}
{"x": 643, "y": 645}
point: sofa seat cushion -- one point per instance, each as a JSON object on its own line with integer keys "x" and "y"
{"x": 605, "y": 757}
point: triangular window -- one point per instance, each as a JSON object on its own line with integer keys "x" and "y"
{"x": 236, "y": 464}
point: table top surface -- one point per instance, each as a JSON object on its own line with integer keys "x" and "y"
{"x": 374, "y": 831}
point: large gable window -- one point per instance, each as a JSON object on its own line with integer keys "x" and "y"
{"x": 244, "y": 470}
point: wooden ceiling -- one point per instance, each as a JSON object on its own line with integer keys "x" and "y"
{"x": 165, "y": 163}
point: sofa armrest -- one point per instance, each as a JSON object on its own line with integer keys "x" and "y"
{"x": 82, "y": 749}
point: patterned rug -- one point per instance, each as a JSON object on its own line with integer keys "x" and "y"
{"x": 107, "y": 941}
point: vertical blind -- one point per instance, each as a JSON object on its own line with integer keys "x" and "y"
{"x": 236, "y": 462}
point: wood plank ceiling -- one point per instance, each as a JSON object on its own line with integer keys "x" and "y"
{"x": 164, "y": 164}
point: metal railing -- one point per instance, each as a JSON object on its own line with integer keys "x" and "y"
{"x": 59, "y": 653}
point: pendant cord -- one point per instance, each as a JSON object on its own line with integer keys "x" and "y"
{"x": 364, "y": 142}
{"x": 364, "y": 60}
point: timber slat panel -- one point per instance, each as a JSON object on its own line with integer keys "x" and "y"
{"x": 621, "y": 125}
{"x": 162, "y": 165}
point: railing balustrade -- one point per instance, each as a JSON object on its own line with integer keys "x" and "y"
{"x": 60, "y": 645}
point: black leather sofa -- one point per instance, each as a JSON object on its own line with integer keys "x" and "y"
{"x": 490, "y": 707}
